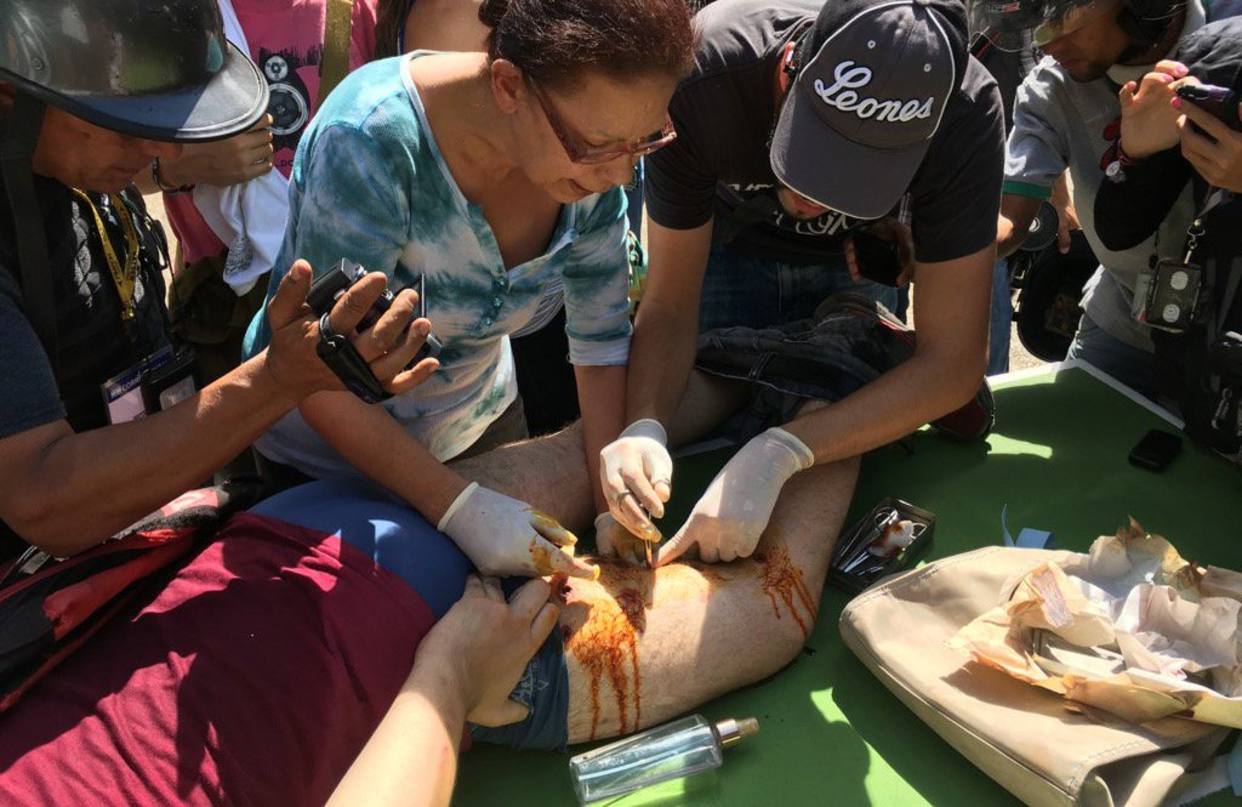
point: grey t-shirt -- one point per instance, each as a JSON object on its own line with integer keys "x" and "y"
{"x": 1060, "y": 123}
{"x": 725, "y": 111}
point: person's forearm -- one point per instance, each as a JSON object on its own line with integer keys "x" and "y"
{"x": 1128, "y": 211}
{"x": 1014, "y": 222}
{"x": 372, "y": 440}
{"x": 661, "y": 357}
{"x": 601, "y": 396}
{"x": 1006, "y": 238}
{"x": 919, "y": 390}
{"x": 87, "y": 486}
{"x": 411, "y": 759}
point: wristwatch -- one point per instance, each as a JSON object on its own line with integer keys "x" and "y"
{"x": 164, "y": 186}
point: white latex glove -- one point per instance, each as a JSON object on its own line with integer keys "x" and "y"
{"x": 734, "y": 510}
{"x": 613, "y": 539}
{"x": 637, "y": 475}
{"x": 504, "y": 537}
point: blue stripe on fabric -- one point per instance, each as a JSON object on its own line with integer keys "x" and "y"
{"x": 389, "y": 532}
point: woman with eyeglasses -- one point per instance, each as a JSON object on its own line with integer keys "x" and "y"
{"x": 494, "y": 176}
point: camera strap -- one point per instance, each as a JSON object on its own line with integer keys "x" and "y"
{"x": 1195, "y": 231}
{"x": 344, "y": 360}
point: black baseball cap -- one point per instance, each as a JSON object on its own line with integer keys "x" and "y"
{"x": 873, "y": 80}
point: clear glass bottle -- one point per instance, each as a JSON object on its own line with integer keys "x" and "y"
{"x": 676, "y": 749}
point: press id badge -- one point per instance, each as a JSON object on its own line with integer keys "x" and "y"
{"x": 158, "y": 382}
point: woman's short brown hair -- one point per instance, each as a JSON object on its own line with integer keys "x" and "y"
{"x": 555, "y": 42}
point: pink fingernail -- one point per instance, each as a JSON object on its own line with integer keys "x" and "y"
{"x": 1176, "y": 103}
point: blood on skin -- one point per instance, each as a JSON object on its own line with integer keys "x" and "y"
{"x": 784, "y": 580}
{"x": 606, "y": 645}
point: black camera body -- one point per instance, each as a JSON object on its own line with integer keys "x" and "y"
{"x": 336, "y": 350}
{"x": 329, "y": 287}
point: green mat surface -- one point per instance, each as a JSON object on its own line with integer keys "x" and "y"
{"x": 831, "y": 733}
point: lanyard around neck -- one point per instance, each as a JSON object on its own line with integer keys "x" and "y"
{"x": 125, "y": 275}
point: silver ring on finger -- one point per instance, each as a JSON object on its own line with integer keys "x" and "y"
{"x": 621, "y": 497}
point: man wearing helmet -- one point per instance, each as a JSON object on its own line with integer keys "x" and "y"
{"x": 1067, "y": 116}
{"x": 90, "y": 93}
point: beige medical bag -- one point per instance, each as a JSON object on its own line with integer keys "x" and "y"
{"x": 1021, "y": 736}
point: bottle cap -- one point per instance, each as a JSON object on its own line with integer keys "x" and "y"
{"x": 733, "y": 731}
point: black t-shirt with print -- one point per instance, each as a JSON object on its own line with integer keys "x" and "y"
{"x": 93, "y": 343}
{"x": 726, "y": 109}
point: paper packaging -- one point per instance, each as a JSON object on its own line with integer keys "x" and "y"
{"x": 1131, "y": 629}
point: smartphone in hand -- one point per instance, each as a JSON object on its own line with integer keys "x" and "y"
{"x": 1219, "y": 102}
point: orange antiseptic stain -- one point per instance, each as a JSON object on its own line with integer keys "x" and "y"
{"x": 602, "y": 646}
{"x": 784, "y": 580}
{"x": 541, "y": 558}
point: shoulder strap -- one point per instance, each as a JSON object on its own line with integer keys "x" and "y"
{"x": 338, "y": 25}
{"x": 17, "y": 145}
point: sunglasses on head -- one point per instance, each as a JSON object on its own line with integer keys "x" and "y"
{"x": 597, "y": 155}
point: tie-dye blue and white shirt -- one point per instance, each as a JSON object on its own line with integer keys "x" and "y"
{"x": 369, "y": 183}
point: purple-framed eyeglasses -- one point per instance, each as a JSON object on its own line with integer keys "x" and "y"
{"x": 597, "y": 155}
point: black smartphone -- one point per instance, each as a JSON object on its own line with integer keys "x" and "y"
{"x": 879, "y": 259}
{"x": 1219, "y": 102}
{"x": 1156, "y": 450}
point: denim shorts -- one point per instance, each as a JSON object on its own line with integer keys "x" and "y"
{"x": 745, "y": 291}
{"x": 400, "y": 540}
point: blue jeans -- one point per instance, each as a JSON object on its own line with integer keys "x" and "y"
{"x": 1133, "y": 367}
{"x": 740, "y": 290}
{"x": 1002, "y": 320}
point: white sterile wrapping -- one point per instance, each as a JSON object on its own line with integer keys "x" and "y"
{"x": 734, "y": 510}
{"x": 1131, "y": 629}
{"x": 249, "y": 217}
{"x": 639, "y": 452}
{"x": 504, "y": 537}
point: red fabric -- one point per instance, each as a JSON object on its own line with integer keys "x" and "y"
{"x": 254, "y": 677}
{"x": 69, "y": 607}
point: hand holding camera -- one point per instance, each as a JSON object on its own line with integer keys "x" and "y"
{"x": 372, "y": 329}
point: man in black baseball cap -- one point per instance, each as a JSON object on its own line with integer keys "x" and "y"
{"x": 818, "y": 145}
{"x": 91, "y": 91}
